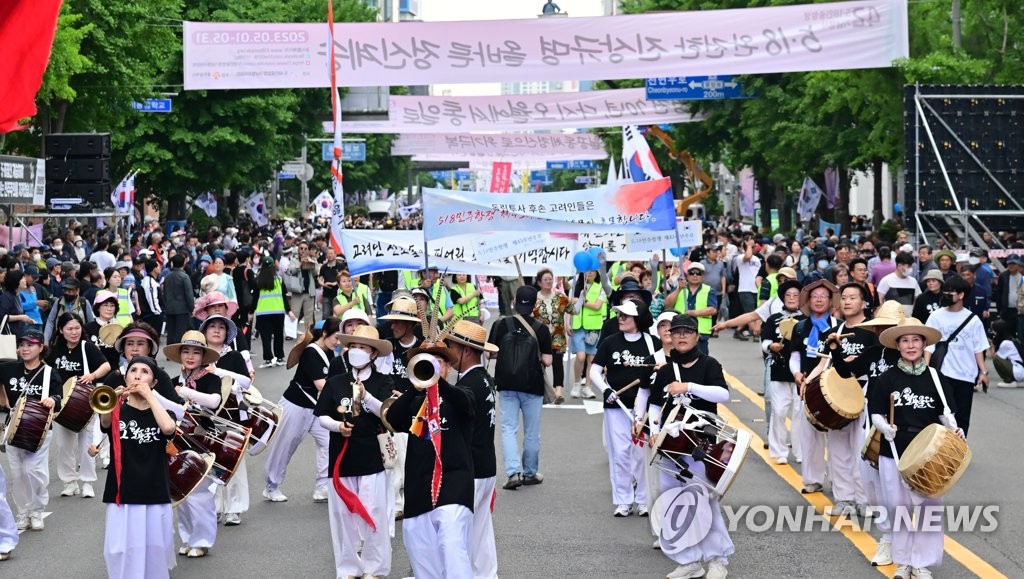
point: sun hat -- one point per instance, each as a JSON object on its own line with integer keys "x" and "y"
{"x": 212, "y": 299}
{"x": 909, "y": 326}
{"x": 805, "y": 294}
{"x": 196, "y": 339}
{"x": 232, "y": 332}
{"x": 367, "y": 336}
{"x": 402, "y": 309}
{"x": 471, "y": 334}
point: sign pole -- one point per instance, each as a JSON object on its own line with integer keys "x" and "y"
{"x": 515, "y": 258}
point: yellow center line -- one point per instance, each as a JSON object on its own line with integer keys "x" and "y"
{"x": 860, "y": 538}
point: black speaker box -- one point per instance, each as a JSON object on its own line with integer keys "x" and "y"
{"x": 71, "y": 169}
{"x": 61, "y": 145}
{"x": 89, "y": 193}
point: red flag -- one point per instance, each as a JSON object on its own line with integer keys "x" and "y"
{"x": 26, "y": 35}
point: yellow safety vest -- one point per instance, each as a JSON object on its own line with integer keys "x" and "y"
{"x": 703, "y": 322}
{"x": 469, "y": 308}
{"x": 124, "y": 307}
{"x": 342, "y": 300}
{"x": 272, "y": 301}
{"x": 439, "y": 294}
{"x": 409, "y": 277}
{"x": 363, "y": 291}
{"x": 588, "y": 319}
{"x": 614, "y": 271}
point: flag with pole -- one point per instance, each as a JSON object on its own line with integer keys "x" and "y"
{"x": 337, "y": 185}
{"x": 208, "y": 203}
{"x": 123, "y": 197}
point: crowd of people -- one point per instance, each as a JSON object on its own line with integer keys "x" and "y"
{"x": 376, "y": 355}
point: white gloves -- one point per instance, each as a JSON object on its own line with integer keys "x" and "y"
{"x": 880, "y": 424}
{"x": 610, "y": 396}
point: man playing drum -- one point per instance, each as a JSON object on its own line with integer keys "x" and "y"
{"x": 782, "y": 389}
{"x": 903, "y": 402}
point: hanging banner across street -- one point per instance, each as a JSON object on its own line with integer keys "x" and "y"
{"x": 831, "y": 36}
{"x": 457, "y": 146}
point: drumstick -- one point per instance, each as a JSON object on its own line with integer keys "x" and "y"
{"x": 627, "y": 387}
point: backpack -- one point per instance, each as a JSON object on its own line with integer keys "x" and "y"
{"x": 942, "y": 347}
{"x": 518, "y": 366}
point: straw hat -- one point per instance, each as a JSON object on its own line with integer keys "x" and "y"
{"x": 889, "y": 313}
{"x": 403, "y": 309}
{"x": 195, "y": 339}
{"x": 473, "y": 335}
{"x": 212, "y": 299}
{"x": 805, "y": 294}
{"x": 909, "y": 326}
{"x": 368, "y": 336}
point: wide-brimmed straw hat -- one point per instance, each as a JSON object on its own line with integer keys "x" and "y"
{"x": 473, "y": 335}
{"x": 196, "y": 339}
{"x": 890, "y": 313}
{"x": 367, "y": 336}
{"x": 403, "y": 309}
{"x": 232, "y": 332}
{"x": 909, "y": 326}
{"x": 439, "y": 349}
{"x": 212, "y": 299}
{"x": 805, "y": 294}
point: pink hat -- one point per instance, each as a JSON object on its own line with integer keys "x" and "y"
{"x": 211, "y": 299}
{"x": 102, "y": 296}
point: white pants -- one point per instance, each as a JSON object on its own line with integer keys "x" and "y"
{"x": 717, "y": 544}
{"x": 785, "y": 404}
{"x": 348, "y": 529}
{"x": 873, "y": 491}
{"x": 398, "y": 471}
{"x": 139, "y": 541}
{"x": 483, "y": 551}
{"x": 625, "y": 459}
{"x": 843, "y": 457}
{"x": 910, "y": 546}
{"x": 234, "y": 496}
{"x": 296, "y": 423}
{"x": 197, "y": 517}
{"x": 30, "y": 476}
{"x": 73, "y": 461}
{"x": 812, "y": 449}
{"x": 8, "y": 527}
{"x": 438, "y": 542}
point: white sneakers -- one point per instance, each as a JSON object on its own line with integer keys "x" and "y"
{"x": 320, "y": 495}
{"x": 575, "y": 393}
{"x": 274, "y": 496}
{"x": 688, "y": 571}
{"x": 22, "y": 522}
{"x": 921, "y": 573}
{"x": 623, "y": 511}
{"x": 902, "y": 572}
{"x": 1007, "y": 385}
{"x": 35, "y": 521}
{"x": 87, "y": 491}
{"x": 641, "y": 511}
{"x": 232, "y": 520}
{"x": 716, "y": 570}
{"x": 883, "y": 555}
{"x": 782, "y": 460}
{"x": 842, "y": 509}
{"x": 70, "y": 489}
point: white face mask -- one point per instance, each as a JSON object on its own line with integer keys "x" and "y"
{"x": 822, "y": 264}
{"x": 359, "y": 359}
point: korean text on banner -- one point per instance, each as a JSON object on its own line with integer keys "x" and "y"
{"x": 22, "y": 180}
{"x": 501, "y": 245}
{"x": 501, "y": 175}
{"x": 533, "y": 112}
{"x": 808, "y": 37}
{"x": 689, "y": 236}
{"x": 633, "y": 207}
{"x": 501, "y": 146}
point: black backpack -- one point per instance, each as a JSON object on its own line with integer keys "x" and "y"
{"x": 518, "y": 367}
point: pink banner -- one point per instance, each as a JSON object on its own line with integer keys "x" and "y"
{"x": 501, "y": 175}
{"x": 528, "y": 112}
{"x": 830, "y": 36}
{"x": 453, "y": 147}
{"x": 31, "y": 236}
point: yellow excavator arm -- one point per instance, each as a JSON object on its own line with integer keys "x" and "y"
{"x": 701, "y": 181}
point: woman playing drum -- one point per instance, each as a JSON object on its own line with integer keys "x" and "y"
{"x": 139, "y": 539}
{"x": 918, "y": 403}
{"x": 30, "y": 471}
{"x": 73, "y": 355}
{"x": 197, "y": 515}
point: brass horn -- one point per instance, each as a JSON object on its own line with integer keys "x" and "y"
{"x": 424, "y": 371}
{"x": 103, "y": 399}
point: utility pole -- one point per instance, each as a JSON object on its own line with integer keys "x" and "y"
{"x": 304, "y": 194}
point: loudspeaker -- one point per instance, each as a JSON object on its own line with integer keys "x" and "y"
{"x": 61, "y": 145}
{"x": 89, "y": 193}
{"x": 72, "y": 169}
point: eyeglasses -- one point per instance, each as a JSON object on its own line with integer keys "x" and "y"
{"x": 684, "y": 332}
{"x": 695, "y": 272}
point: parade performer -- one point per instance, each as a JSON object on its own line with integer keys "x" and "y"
{"x": 781, "y": 387}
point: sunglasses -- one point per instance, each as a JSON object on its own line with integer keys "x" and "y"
{"x": 683, "y": 332}
{"x": 695, "y": 272}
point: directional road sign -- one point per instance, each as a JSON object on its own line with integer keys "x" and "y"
{"x": 693, "y": 88}
{"x": 350, "y": 152}
{"x": 153, "y": 106}
{"x": 573, "y": 165}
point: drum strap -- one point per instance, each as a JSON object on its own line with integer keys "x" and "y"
{"x": 938, "y": 388}
{"x": 46, "y": 381}
{"x": 327, "y": 362}
{"x": 85, "y": 359}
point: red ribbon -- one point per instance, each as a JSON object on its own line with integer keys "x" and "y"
{"x": 434, "y": 430}
{"x": 115, "y": 425}
{"x": 348, "y": 497}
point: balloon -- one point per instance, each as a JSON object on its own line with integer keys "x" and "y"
{"x": 898, "y": 208}
{"x": 676, "y": 251}
{"x": 583, "y": 261}
{"x": 596, "y": 252}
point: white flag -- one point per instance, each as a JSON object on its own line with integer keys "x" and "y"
{"x": 612, "y": 174}
{"x": 323, "y": 204}
{"x": 810, "y": 196}
{"x": 256, "y": 206}
{"x": 208, "y": 203}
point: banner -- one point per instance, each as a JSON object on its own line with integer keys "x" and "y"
{"x": 208, "y": 203}
{"x": 322, "y": 205}
{"x": 747, "y": 192}
{"x": 31, "y": 236}
{"x": 526, "y": 112}
{"x": 580, "y": 146}
{"x": 832, "y": 187}
{"x": 832, "y": 36}
{"x": 823, "y": 225}
{"x": 501, "y": 245}
{"x": 810, "y": 196}
{"x": 22, "y": 180}
{"x": 256, "y": 206}
{"x": 501, "y": 175}
{"x": 26, "y": 36}
{"x": 690, "y": 234}
{"x": 634, "y": 208}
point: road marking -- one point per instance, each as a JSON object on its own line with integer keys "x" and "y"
{"x": 861, "y": 539}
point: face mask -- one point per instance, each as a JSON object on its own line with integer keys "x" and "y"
{"x": 78, "y": 244}
{"x": 35, "y": 257}
{"x": 822, "y": 264}
{"x": 946, "y": 300}
{"x": 359, "y": 359}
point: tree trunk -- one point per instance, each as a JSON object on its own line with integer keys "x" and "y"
{"x": 877, "y": 216}
{"x": 764, "y": 190}
{"x": 843, "y": 210}
{"x": 62, "y": 113}
{"x": 781, "y": 202}
{"x": 176, "y": 208}
{"x": 955, "y": 17}
{"x": 232, "y": 202}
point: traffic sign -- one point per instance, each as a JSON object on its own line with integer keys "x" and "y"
{"x": 153, "y": 106}
{"x": 542, "y": 177}
{"x": 572, "y": 165}
{"x": 350, "y": 152}
{"x": 283, "y": 175}
{"x": 691, "y": 88}
{"x": 302, "y": 171}
{"x": 582, "y": 179}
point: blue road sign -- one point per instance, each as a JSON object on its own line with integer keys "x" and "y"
{"x": 692, "y": 88}
{"x": 580, "y": 180}
{"x": 153, "y": 106}
{"x": 350, "y": 152}
{"x": 462, "y": 175}
{"x": 542, "y": 177}
{"x": 286, "y": 175}
{"x": 573, "y": 165}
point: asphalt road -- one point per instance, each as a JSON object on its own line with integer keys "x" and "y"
{"x": 564, "y": 527}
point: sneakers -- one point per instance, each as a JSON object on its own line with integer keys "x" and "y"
{"x": 588, "y": 393}
{"x": 921, "y": 573}
{"x": 22, "y": 522}
{"x": 575, "y": 392}
{"x": 716, "y": 569}
{"x": 1006, "y": 385}
{"x": 902, "y": 572}
{"x": 5, "y": 556}
{"x": 35, "y": 521}
{"x": 70, "y": 489}
{"x": 811, "y": 488}
{"x": 87, "y": 492}
{"x": 688, "y": 571}
{"x": 319, "y": 495}
{"x": 514, "y": 481}
{"x": 280, "y": 362}
{"x": 883, "y": 555}
{"x": 534, "y": 479}
{"x": 641, "y": 511}
{"x": 842, "y": 509}
{"x": 197, "y": 552}
{"x": 184, "y": 549}
{"x": 232, "y": 520}
{"x": 623, "y": 511}
{"x": 268, "y": 363}
{"x": 782, "y": 460}
{"x": 274, "y": 496}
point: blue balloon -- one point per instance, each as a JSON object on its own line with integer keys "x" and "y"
{"x": 583, "y": 261}
{"x": 898, "y": 208}
{"x": 595, "y": 252}
{"x": 676, "y": 251}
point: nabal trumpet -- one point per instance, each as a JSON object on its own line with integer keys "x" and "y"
{"x": 103, "y": 399}
{"x": 424, "y": 371}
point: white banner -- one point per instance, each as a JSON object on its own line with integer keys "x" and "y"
{"x": 690, "y": 234}
{"x": 830, "y": 36}
{"x": 525, "y": 112}
{"x": 579, "y": 146}
{"x": 501, "y": 245}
